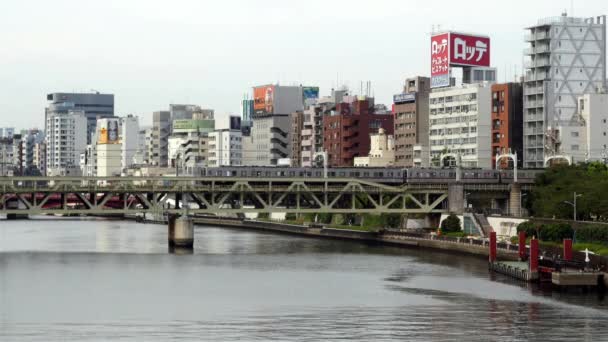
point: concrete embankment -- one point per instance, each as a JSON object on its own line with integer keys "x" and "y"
{"x": 458, "y": 245}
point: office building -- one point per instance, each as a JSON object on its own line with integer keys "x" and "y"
{"x": 507, "y": 121}
{"x": 93, "y": 105}
{"x": 65, "y": 141}
{"x": 459, "y": 125}
{"x": 225, "y": 145}
{"x": 161, "y": 129}
{"x": 411, "y": 111}
{"x": 346, "y": 131}
{"x": 566, "y": 58}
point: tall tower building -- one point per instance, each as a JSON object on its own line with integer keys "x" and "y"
{"x": 566, "y": 58}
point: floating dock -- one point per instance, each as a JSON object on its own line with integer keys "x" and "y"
{"x": 562, "y": 273}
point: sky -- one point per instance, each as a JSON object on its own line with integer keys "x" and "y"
{"x": 152, "y": 53}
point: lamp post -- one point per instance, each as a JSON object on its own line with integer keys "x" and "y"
{"x": 573, "y": 203}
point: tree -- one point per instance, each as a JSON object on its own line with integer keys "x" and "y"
{"x": 558, "y": 184}
{"x": 451, "y": 224}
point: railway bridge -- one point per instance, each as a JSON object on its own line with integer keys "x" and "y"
{"x": 219, "y": 195}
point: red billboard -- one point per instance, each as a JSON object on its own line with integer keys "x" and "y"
{"x": 263, "y": 100}
{"x": 468, "y": 50}
{"x": 456, "y": 49}
{"x": 440, "y": 60}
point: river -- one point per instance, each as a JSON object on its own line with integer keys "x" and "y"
{"x": 98, "y": 280}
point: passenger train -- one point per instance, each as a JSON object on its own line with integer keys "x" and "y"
{"x": 389, "y": 175}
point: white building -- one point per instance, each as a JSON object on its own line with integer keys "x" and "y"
{"x": 32, "y": 147}
{"x": 7, "y": 132}
{"x": 188, "y": 145}
{"x": 66, "y": 139}
{"x": 270, "y": 140}
{"x": 130, "y": 140}
{"x": 381, "y": 153}
{"x": 459, "y": 124}
{"x": 590, "y": 139}
{"x": 566, "y": 58}
{"x": 225, "y": 148}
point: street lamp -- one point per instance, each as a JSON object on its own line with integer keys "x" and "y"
{"x": 573, "y": 203}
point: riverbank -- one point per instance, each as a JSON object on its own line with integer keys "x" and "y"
{"x": 475, "y": 247}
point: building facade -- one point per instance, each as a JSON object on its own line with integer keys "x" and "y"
{"x": 65, "y": 141}
{"x": 93, "y": 105}
{"x": 459, "y": 125}
{"x": 592, "y": 135}
{"x": 566, "y": 58}
{"x": 507, "y": 121}
{"x": 297, "y": 139}
{"x": 225, "y": 147}
{"x": 161, "y": 129}
{"x": 381, "y": 153}
{"x": 411, "y": 111}
{"x": 346, "y": 132}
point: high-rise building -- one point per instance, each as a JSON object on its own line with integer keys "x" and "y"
{"x": 161, "y": 129}
{"x": 411, "y": 111}
{"x": 93, "y": 105}
{"x": 65, "y": 141}
{"x": 507, "y": 121}
{"x": 566, "y": 58}
{"x": 346, "y": 131}
{"x": 459, "y": 124}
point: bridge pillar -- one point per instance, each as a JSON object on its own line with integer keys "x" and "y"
{"x": 181, "y": 231}
{"x": 515, "y": 200}
{"x": 456, "y": 198}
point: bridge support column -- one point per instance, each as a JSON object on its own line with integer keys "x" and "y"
{"x": 515, "y": 200}
{"x": 456, "y": 198}
{"x": 181, "y": 232}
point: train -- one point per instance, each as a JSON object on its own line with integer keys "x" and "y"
{"x": 385, "y": 175}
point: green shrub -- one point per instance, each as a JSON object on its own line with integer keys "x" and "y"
{"x": 451, "y": 224}
{"x": 592, "y": 234}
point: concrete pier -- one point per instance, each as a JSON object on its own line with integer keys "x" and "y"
{"x": 515, "y": 200}
{"x": 456, "y": 198}
{"x": 181, "y": 232}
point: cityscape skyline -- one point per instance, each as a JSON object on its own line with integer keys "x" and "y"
{"x": 125, "y": 59}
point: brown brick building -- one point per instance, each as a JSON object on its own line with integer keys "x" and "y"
{"x": 411, "y": 111}
{"x": 507, "y": 121}
{"x": 347, "y": 131}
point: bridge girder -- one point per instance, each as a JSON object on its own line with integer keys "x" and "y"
{"x": 208, "y": 195}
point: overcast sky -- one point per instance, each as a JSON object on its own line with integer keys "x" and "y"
{"x": 151, "y": 53}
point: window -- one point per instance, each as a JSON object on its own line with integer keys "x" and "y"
{"x": 574, "y": 147}
{"x": 574, "y": 134}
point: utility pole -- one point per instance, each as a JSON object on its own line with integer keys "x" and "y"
{"x": 573, "y": 204}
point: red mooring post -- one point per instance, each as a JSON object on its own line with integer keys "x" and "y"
{"x": 522, "y": 245}
{"x": 568, "y": 249}
{"x": 492, "y": 246}
{"x": 534, "y": 255}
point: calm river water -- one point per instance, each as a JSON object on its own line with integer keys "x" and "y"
{"x": 100, "y": 280}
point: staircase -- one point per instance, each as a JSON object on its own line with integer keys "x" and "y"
{"x": 483, "y": 223}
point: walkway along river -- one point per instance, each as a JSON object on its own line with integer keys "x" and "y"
{"x": 94, "y": 279}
